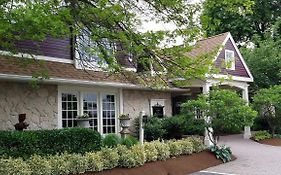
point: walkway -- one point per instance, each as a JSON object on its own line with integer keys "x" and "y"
{"x": 252, "y": 158}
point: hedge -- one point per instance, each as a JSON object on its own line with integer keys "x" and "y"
{"x": 48, "y": 142}
{"x": 107, "y": 158}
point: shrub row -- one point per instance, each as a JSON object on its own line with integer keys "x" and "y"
{"x": 48, "y": 142}
{"x": 112, "y": 140}
{"x": 106, "y": 158}
{"x": 172, "y": 127}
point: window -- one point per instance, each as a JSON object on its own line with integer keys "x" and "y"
{"x": 101, "y": 108}
{"x": 89, "y": 53}
{"x": 108, "y": 114}
{"x": 69, "y": 109}
{"x": 91, "y": 108}
{"x": 230, "y": 59}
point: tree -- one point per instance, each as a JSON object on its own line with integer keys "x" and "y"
{"x": 243, "y": 18}
{"x": 268, "y": 103}
{"x": 110, "y": 22}
{"x": 224, "y": 110}
{"x": 265, "y": 63}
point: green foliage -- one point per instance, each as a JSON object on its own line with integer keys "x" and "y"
{"x": 111, "y": 140}
{"x": 162, "y": 149}
{"x": 133, "y": 157}
{"x": 107, "y": 158}
{"x": 260, "y": 123}
{"x": 197, "y": 144}
{"x": 151, "y": 152}
{"x": 34, "y": 20}
{"x": 243, "y": 18}
{"x": 261, "y": 135}
{"x": 221, "y": 152}
{"x": 193, "y": 126}
{"x": 174, "y": 127}
{"x": 45, "y": 142}
{"x": 129, "y": 141}
{"x": 154, "y": 129}
{"x": 264, "y": 62}
{"x": 95, "y": 161}
{"x": 227, "y": 111}
{"x": 110, "y": 158}
{"x": 268, "y": 103}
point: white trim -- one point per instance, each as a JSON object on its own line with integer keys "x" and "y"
{"x": 232, "y": 67}
{"x": 212, "y": 172}
{"x": 229, "y": 36}
{"x": 231, "y": 77}
{"x": 37, "y": 57}
{"x": 154, "y": 102}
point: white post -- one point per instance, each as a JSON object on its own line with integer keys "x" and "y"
{"x": 141, "y": 130}
{"x": 247, "y": 129}
{"x": 208, "y": 135}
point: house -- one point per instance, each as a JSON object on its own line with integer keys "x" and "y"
{"x": 71, "y": 91}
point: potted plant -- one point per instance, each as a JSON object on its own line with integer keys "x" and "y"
{"x": 124, "y": 120}
{"x": 83, "y": 121}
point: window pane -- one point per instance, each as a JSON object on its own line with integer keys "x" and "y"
{"x": 108, "y": 113}
{"x": 69, "y": 109}
{"x": 90, "y": 107}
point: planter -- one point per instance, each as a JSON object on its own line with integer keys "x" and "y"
{"x": 83, "y": 123}
{"x": 125, "y": 122}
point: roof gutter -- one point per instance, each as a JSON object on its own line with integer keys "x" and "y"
{"x": 25, "y": 78}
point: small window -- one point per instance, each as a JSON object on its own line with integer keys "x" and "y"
{"x": 230, "y": 59}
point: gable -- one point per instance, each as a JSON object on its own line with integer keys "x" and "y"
{"x": 240, "y": 69}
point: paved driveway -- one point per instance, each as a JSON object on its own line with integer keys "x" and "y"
{"x": 252, "y": 158}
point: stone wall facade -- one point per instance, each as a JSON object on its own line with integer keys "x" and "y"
{"x": 40, "y": 105}
{"x": 139, "y": 100}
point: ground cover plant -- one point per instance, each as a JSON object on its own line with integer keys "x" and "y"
{"x": 106, "y": 158}
{"x": 261, "y": 135}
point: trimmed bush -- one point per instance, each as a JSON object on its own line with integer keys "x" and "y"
{"x": 150, "y": 152}
{"x": 197, "y": 144}
{"x": 129, "y": 141}
{"x": 174, "y": 127}
{"x": 163, "y": 150}
{"x": 111, "y": 140}
{"x": 110, "y": 158}
{"x": 95, "y": 162}
{"x": 133, "y": 157}
{"x": 261, "y": 135}
{"x": 48, "y": 142}
{"x": 107, "y": 158}
{"x": 154, "y": 129}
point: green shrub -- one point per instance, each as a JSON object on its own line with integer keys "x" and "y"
{"x": 40, "y": 164}
{"x": 186, "y": 146}
{"x": 77, "y": 163}
{"x": 197, "y": 144}
{"x": 175, "y": 148}
{"x": 111, "y": 140}
{"x": 129, "y": 141}
{"x": 154, "y": 129}
{"x": 260, "y": 123}
{"x": 110, "y": 158}
{"x": 150, "y": 152}
{"x": 59, "y": 164}
{"x": 174, "y": 127}
{"x": 133, "y": 157}
{"x": 163, "y": 150}
{"x": 14, "y": 167}
{"x": 221, "y": 152}
{"x": 95, "y": 162}
{"x": 48, "y": 142}
{"x": 193, "y": 126}
{"x": 261, "y": 135}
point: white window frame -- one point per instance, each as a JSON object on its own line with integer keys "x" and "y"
{"x": 227, "y": 60}
{"x": 99, "y": 92}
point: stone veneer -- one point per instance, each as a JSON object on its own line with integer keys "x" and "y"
{"x": 139, "y": 100}
{"x": 40, "y": 105}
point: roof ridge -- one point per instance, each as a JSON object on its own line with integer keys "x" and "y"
{"x": 213, "y": 36}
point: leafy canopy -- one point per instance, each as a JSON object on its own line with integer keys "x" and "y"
{"x": 268, "y": 103}
{"x": 225, "y": 109}
{"x": 113, "y": 21}
{"x": 243, "y": 18}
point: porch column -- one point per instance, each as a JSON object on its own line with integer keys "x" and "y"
{"x": 208, "y": 135}
{"x": 247, "y": 129}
